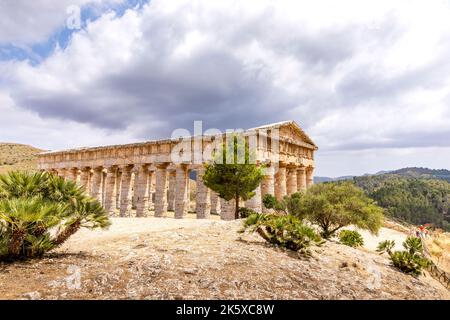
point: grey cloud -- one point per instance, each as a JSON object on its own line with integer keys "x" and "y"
{"x": 155, "y": 93}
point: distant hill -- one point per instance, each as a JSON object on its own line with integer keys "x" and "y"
{"x": 327, "y": 179}
{"x": 415, "y": 195}
{"x": 425, "y": 173}
{"x": 17, "y": 157}
{"x": 412, "y": 172}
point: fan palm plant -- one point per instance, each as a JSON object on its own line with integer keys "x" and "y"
{"x": 40, "y": 211}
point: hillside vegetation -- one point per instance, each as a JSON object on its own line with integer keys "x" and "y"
{"x": 414, "y": 200}
{"x": 424, "y": 173}
{"x": 17, "y": 157}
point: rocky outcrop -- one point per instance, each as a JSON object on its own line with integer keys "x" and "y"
{"x": 154, "y": 258}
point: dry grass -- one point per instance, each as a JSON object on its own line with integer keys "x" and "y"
{"x": 17, "y": 157}
{"x": 439, "y": 247}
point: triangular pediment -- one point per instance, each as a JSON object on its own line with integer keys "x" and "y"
{"x": 289, "y": 130}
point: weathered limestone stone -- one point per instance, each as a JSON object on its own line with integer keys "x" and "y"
{"x": 141, "y": 192}
{"x": 133, "y": 187}
{"x": 171, "y": 192}
{"x": 255, "y": 202}
{"x": 118, "y": 188}
{"x": 181, "y": 190}
{"x": 85, "y": 178}
{"x": 227, "y": 209}
{"x": 282, "y": 144}
{"x": 301, "y": 179}
{"x": 97, "y": 183}
{"x": 291, "y": 181}
{"x": 110, "y": 190}
{"x": 280, "y": 183}
{"x": 125, "y": 192}
{"x": 73, "y": 174}
{"x": 161, "y": 191}
{"x": 151, "y": 190}
{"x": 215, "y": 203}
{"x": 203, "y": 197}
{"x": 309, "y": 177}
{"x": 62, "y": 173}
{"x": 268, "y": 185}
{"x": 188, "y": 191}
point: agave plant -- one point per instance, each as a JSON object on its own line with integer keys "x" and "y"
{"x": 283, "y": 230}
{"x": 40, "y": 211}
{"x": 409, "y": 261}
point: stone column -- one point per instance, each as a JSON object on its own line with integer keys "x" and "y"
{"x": 301, "y": 179}
{"x": 203, "y": 197}
{"x": 141, "y": 192}
{"x": 118, "y": 188}
{"x": 181, "y": 189}
{"x": 110, "y": 190}
{"x": 171, "y": 192}
{"x": 309, "y": 176}
{"x": 151, "y": 190}
{"x": 215, "y": 203}
{"x": 227, "y": 209}
{"x": 268, "y": 186}
{"x": 291, "y": 181}
{"x": 133, "y": 187}
{"x": 161, "y": 191}
{"x": 125, "y": 192}
{"x": 97, "y": 183}
{"x": 255, "y": 203}
{"x": 280, "y": 183}
{"x": 62, "y": 173}
{"x": 84, "y": 179}
{"x": 73, "y": 174}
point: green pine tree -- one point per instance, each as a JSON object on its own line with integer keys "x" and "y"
{"x": 233, "y": 176}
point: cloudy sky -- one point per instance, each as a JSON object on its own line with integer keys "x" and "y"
{"x": 368, "y": 80}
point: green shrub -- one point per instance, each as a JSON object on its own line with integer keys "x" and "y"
{"x": 269, "y": 201}
{"x": 333, "y": 206}
{"x": 40, "y": 211}
{"x": 351, "y": 238}
{"x": 245, "y": 212}
{"x": 286, "y": 231}
{"x": 409, "y": 261}
{"x": 288, "y": 205}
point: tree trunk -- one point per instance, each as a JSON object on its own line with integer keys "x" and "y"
{"x": 66, "y": 233}
{"x": 236, "y": 208}
{"x": 263, "y": 234}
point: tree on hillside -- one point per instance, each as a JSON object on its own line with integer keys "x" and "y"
{"x": 236, "y": 179}
{"x": 335, "y": 205}
{"x": 417, "y": 201}
{"x": 40, "y": 211}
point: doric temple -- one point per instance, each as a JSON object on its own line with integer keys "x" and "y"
{"x": 143, "y": 179}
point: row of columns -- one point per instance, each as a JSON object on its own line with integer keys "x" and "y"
{"x": 113, "y": 187}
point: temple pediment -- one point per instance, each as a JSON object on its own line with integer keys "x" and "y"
{"x": 290, "y": 131}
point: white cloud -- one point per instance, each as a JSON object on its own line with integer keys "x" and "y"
{"x": 360, "y": 76}
{"x": 25, "y": 22}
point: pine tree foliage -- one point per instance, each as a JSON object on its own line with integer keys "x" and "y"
{"x": 236, "y": 179}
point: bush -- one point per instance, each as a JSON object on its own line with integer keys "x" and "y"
{"x": 288, "y": 205}
{"x": 40, "y": 211}
{"x": 351, "y": 238}
{"x": 269, "y": 201}
{"x": 285, "y": 231}
{"x": 409, "y": 261}
{"x": 333, "y": 206}
{"x": 245, "y": 212}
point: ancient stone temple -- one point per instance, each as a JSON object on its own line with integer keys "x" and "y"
{"x": 154, "y": 177}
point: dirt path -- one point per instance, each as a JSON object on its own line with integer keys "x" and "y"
{"x": 156, "y": 258}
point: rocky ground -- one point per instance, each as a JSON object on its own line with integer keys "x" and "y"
{"x": 157, "y": 258}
